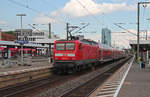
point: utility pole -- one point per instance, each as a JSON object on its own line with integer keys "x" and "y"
{"x": 73, "y": 27}
{"x": 146, "y": 34}
{"x": 138, "y": 30}
{"x": 49, "y": 26}
{"x": 67, "y": 30}
{"x": 138, "y": 27}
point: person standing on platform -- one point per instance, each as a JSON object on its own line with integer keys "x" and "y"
{"x": 140, "y": 62}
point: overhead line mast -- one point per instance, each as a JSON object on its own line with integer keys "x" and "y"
{"x": 138, "y": 27}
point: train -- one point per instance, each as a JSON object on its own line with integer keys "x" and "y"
{"x": 74, "y": 55}
{"x": 15, "y": 51}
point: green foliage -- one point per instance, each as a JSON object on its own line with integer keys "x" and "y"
{"x": 10, "y": 32}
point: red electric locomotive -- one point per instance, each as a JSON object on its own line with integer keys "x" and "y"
{"x": 75, "y": 54}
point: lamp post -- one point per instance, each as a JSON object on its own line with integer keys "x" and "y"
{"x": 21, "y": 15}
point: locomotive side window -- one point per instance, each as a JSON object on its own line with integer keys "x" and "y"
{"x": 60, "y": 46}
{"x": 70, "y": 46}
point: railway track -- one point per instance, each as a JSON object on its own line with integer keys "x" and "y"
{"x": 12, "y": 90}
{"x": 84, "y": 90}
{"x": 21, "y": 90}
{"x": 54, "y": 85}
{"x": 34, "y": 87}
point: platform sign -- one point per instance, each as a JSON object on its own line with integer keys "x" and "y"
{"x": 22, "y": 41}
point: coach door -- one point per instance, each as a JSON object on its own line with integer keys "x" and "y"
{"x": 101, "y": 53}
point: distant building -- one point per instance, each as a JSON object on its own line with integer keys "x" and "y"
{"x": 25, "y": 35}
{"x": 34, "y": 36}
{"x": 6, "y": 37}
{"x": 106, "y": 36}
{"x": 37, "y": 37}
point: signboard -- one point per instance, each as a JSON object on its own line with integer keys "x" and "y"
{"x": 22, "y": 41}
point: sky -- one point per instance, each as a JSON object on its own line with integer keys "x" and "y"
{"x": 97, "y": 13}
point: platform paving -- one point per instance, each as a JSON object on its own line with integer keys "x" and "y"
{"x": 137, "y": 83}
{"x": 16, "y": 68}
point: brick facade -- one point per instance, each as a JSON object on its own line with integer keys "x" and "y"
{"x": 7, "y": 37}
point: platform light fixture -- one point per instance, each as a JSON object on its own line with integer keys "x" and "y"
{"x": 21, "y": 15}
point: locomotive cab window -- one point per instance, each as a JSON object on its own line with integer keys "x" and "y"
{"x": 70, "y": 46}
{"x": 60, "y": 46}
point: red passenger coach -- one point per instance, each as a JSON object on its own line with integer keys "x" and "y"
{"x": 29, "y": 51}
{"x": 73, "y": 55}
{"x": 13, "y": 51}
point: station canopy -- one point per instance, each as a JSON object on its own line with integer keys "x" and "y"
{"x": 143, "y": 44}
{"x": 12, "y": 43}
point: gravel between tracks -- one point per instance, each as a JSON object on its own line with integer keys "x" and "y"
{"x": 60, "y": 90}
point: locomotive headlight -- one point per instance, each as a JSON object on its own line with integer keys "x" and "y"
{"x": 72, "y": 54}
{"x": 58, "y": 54}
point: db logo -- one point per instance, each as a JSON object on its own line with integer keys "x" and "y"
{"x": 65, "y": 54}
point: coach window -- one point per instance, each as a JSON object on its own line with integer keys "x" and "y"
{"x": 60, "y": 46}
{"x": 70, "y": 46}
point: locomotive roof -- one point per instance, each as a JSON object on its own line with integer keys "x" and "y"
{"x": 87, "y": 41}
{"x": 109, "y": 47}
{"x": 90, "y": 42}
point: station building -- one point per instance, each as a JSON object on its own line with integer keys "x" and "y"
{"x": 33, "y": 36}
{"x": 38, "y": 37}
{"x": 7, "y": 37}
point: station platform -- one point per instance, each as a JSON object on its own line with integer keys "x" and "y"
{"x": 129, "y": 81}
{"x": 20, "y": 69}
{"x": 35, "y": 63}
{"x": 137, "y": 82}
{"x": 19, "y": 74}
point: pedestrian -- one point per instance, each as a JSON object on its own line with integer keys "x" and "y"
{"x": 140, "y": 62}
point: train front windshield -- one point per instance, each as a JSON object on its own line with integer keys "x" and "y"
{"x": 60, "y": 46}
{"x": 65, "y": 46}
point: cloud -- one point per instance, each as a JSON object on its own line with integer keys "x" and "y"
{"x": 78, "y": 8}
{"x": 43, "y": 20}
{"x": 3, "y": 22}
{"x": 118, "y": 0}
{"x": 94, "y": 36}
